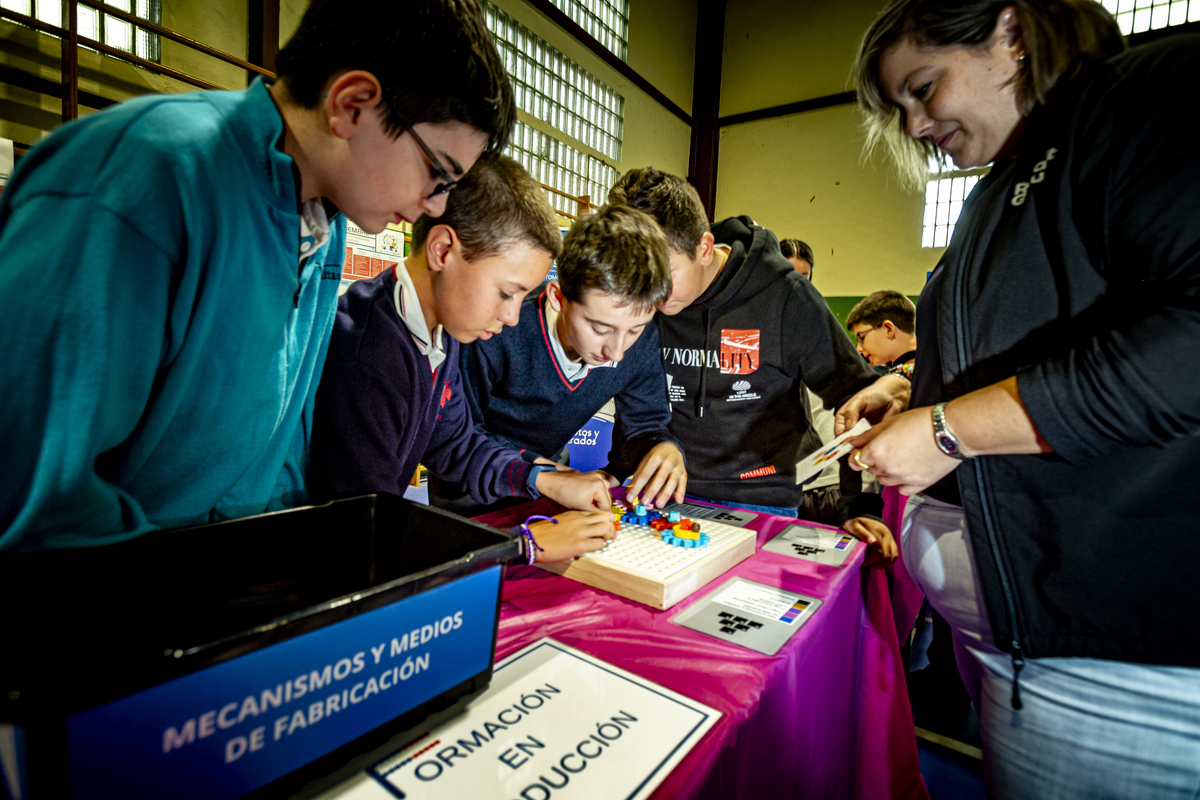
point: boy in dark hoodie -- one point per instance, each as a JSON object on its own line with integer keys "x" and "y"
{"x": 739, "y": 335}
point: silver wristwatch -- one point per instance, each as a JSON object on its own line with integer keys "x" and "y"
{"x": 945, "y": 439}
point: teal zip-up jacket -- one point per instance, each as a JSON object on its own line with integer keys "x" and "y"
{"x": 160, "y": 344}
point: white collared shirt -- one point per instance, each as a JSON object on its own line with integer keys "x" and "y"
{"x": 314, "y": 228}
{"x": 572, "y": 370}
{"x": 408, "y": 306}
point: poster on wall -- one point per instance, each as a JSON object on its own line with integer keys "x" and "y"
{"x": 6, "y": 161}
{"x": 368, "y": 254}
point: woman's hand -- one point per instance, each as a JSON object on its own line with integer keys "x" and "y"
{"x": 661, "y": 474}
{"x": 883, "y": 399}
{"x": 575, "y": 532}
{"x": 581, "y": 490}
{"x": 901, "y": 452}
{"x": 875, "y": 534}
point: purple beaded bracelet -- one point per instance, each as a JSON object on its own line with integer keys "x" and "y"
{"x": 532, "y": 548}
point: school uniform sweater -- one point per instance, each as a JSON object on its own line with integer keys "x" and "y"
{"x": 519, "y": 396}
{"x": 381, "y": 409}
{"x": 162, "y": 340}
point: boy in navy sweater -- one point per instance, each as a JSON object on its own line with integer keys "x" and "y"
{"x": 391, "y": 395}
{"x": 588, "y": 337}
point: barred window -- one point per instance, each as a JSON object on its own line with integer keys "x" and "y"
{"x": 944, "y": 196}
{"x": 1139, "y": 16}
{"x": 562, "y": 167}
{"x": 99, "y": 26}
{"x": 607, "y": 21}
{"x": 554, "y": 89}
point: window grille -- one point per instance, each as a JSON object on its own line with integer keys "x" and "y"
{"x": 944, "y": 196}
{"x": 562, "y": 167}
{"x": 554, "y": 89}
{"x": 607, "y": 21}
{"x": 1139, "y": 16}
{"x": 97, "y": 25}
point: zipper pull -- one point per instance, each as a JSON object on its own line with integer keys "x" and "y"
{"x": 1018, "y": 662}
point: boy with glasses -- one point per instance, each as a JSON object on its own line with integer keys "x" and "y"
{"x": 162, "y": 360}
{"x": 740, "y": 334}
{"x": 884, "y": 324}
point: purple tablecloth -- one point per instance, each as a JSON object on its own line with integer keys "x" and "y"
{"x": 828, "y": 716}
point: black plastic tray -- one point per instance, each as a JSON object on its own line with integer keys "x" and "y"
{"x": 91, "y": 625}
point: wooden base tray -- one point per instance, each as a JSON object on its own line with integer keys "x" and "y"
{"x": 640, "y": 566}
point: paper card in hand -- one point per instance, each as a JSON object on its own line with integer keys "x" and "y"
{"x": 812, "y": 464}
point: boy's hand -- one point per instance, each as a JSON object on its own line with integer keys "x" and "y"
{"x": 660, "y": 475}
{"x": 875, "y": 534}
{"x": 576, "y": 532}
{"x": 585, "y": 491}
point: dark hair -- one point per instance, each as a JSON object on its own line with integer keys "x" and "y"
{"x": 619, "y": 251}
{"x": 496, "y": 204}
{"x": 794, "y": 248}
{"x": 887, "y": 304}
{"x": 1055, "y": 33}
{"x": 670, "y": 200}
{"x": 465, "y": 80}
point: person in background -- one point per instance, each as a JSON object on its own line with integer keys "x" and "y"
{"x": 1051, "y": 441}
{"x": 740, "y": 335}
{"x": 822, "y": 494}
{"x": 161, "y": 361}
{"x": 800, "y": 255}
{"x": 585, "y": 338}
{"x": 884, "y": 324}
{"x": 392, "y": 393}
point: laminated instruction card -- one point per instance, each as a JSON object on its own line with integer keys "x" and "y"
{"x": 813, "y": 543}
{"x": 753, "y": 615}
{"x": 555, "y": 722}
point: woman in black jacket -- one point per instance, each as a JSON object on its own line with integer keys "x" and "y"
{"x": 1053, "y": 442}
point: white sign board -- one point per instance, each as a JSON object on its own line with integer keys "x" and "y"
{"x": 555, "y": 722}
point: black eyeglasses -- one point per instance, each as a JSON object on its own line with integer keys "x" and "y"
{"x": 440, "y": 172}
{"x": 860, "y": 335}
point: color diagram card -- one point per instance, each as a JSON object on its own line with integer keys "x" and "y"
{"x": 755, "y": 616}
{"x": 811, "y": 465}
{"x": 813, "y": 543}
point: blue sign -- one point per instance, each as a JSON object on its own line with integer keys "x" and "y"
{"x": 229, "y": 729}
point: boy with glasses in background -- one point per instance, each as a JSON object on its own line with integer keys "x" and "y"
{"x": 884, "y": 324}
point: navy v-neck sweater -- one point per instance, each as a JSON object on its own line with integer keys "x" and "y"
{"x": 520, "y": 397}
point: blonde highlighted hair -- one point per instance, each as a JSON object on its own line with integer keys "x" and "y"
{"x": 1055, "y": 35}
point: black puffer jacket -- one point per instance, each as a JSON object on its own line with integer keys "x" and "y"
{"x": 1076, "y": 266}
